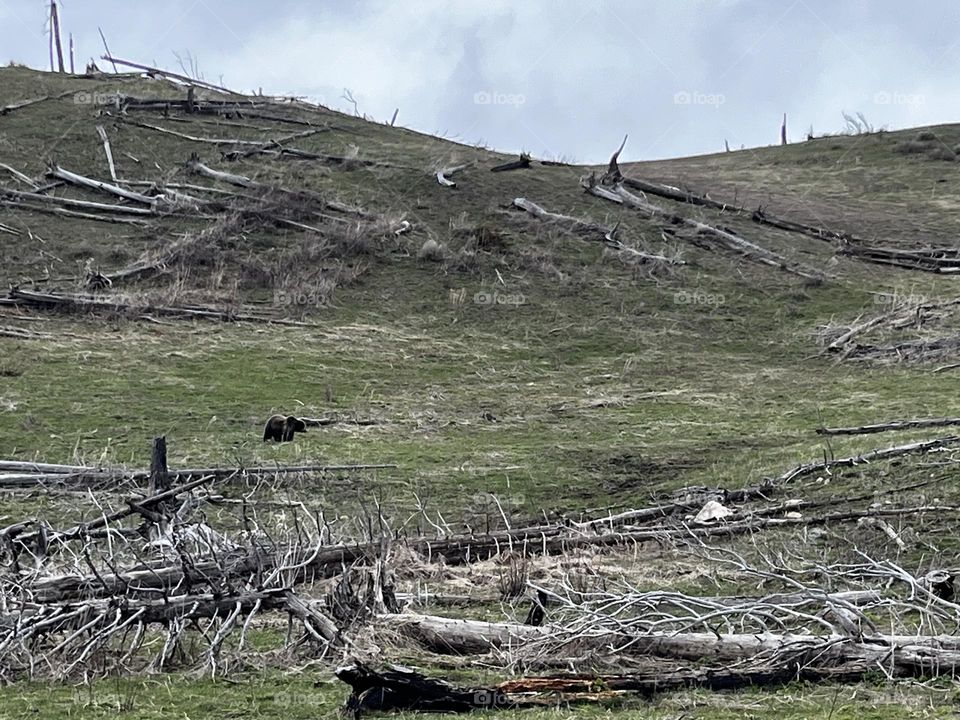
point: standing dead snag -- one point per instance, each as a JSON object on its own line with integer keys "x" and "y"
{"x": 159, "y": 475}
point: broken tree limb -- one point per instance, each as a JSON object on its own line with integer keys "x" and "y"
{"x": 443, "y": 173}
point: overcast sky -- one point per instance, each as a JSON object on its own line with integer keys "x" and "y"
{"x": 558, "y": 78}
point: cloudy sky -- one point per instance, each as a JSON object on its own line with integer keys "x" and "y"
{"x": 558, "y": 78}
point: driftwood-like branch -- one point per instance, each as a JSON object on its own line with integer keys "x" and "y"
{"x": 444, "y": 173}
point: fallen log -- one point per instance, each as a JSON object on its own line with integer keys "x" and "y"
{"x": 522, "y": 163}
{"x": 75, "y": 179}
{"x": 79, "y": 303}
{"x": 592, "y": 229}
{"x": 760, "y": 661}
{"x": 921, "y": 447}
{"x": 889, "y": 426}
{"x": 723, "y": 237}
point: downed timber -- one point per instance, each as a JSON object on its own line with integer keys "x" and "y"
{"x": 921, "y": 447}
{"x": 39, "y": 198}
{"x": 590, "y": 228}
{"x": 195, "y": 166}
{"x": 889, "y": 426}
{"x": 911, "y": 350}
{"x": 83, "y": 303}
{"x": 913, "y": 653}
{"x": 520, "y": 164}
{"x": 326, "y": 421}
{"x": 6, "y": 109}
{"x": 943, "y": 260}
{"x": 773, "y": 661}
{"x": 151, "y": 71}
{"x": 723, "y": 237}
{"x": 325, "y": 560}
{"x": 27, "y": 477}
{"x": 75, "y": 179}
{"x": 134, "y": 506}
{"x": 19, "y": 176}
{"x": 456, "y": 636}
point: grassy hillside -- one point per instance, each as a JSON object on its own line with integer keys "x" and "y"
{"x": 598, "y": 384}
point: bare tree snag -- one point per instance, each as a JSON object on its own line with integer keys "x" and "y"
{"x": 613, "y": 168}
{"x": 159, "y": 474}
{"x": 106, "y": 149}
{"x": 55, "y": 29}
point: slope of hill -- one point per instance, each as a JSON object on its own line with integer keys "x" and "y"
{"x": 659, "y": 339}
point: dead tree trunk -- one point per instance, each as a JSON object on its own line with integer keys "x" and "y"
{"x": 159, "y": 475}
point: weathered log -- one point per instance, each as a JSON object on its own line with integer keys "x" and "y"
{"x": 923, "y": 446}
{"x": 522, "y": 163}
{"x": 83, "y": 303}
{"x": 889, "y": 426}
{"x": 592, "y": 230}
{"x": 75, "y": 179}
{"x": 725, "y": 238}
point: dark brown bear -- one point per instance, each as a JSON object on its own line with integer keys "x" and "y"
{"x": 281, "y": 429}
